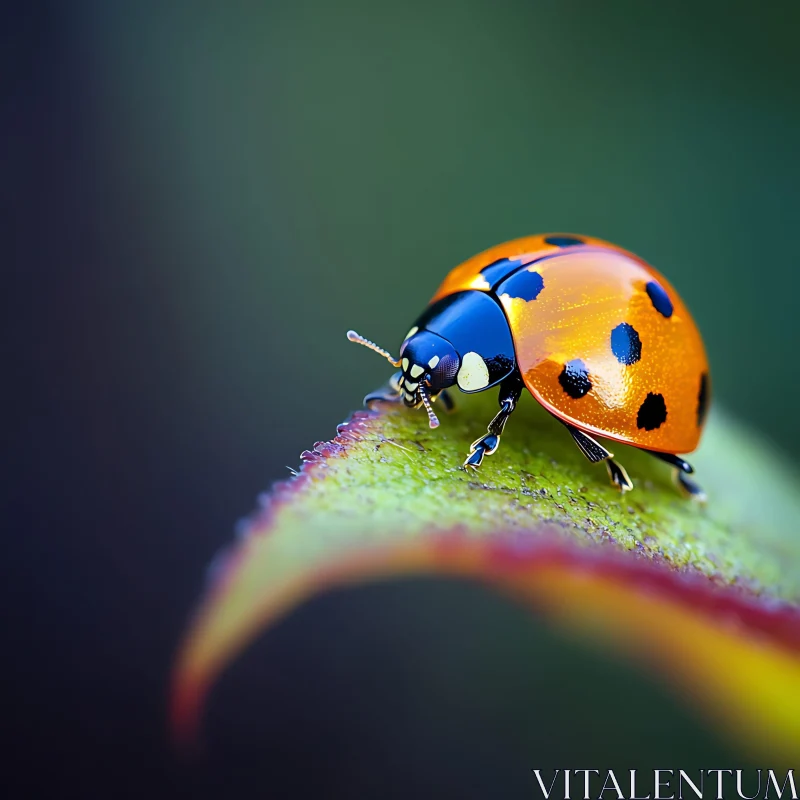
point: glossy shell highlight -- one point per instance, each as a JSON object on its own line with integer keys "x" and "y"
{"x": 602, "y": 340}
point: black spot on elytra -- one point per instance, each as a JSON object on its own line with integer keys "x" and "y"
{"x": 563, "y": 241}
{"x": 524, "y": 285}
{"x": 652, "y": 412}
{"x": 702, "y": 400}
{"x": 659, "y": 298}
{"x": 626, "y": 344}
{"x": 574, "y": 379}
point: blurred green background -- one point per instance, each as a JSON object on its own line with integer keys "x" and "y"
{"x": 298, "y": 169}
{"x": 202, "y": 198}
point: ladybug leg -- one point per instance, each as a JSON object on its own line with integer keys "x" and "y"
{"x": 618, "y": 476}
{"x": 595, "y": 452}
{"x": 510, "y": 391}
{"x": 388, "y": 393}
{"x": 681, "y": 470}
{"x": 447, "y": 400}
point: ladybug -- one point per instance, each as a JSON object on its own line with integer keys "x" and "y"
{"x": 593, "y": 332}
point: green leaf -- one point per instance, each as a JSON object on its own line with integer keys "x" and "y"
{"x": 400, "y": 478}
{"x": 387, "y": 494}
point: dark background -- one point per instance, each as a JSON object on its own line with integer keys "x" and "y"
{"x": 198, "y": 201}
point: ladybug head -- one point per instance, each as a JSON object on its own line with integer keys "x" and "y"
{"x": 429, "y": 364}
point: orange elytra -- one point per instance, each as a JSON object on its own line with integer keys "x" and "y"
{"x": 596, "y": 334}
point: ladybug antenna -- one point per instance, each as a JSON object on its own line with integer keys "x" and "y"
{"x": 433, "y": 420}
{"x": 358, "y": 339}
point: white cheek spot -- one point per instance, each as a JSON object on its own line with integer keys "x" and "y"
{"x": 411, "y": 386}
{"x": 474, "y": 374}
{"x": 405, "y": 365}
{"x": 409, "y": 397}
{"x": 433, "y": 362}
{"x": 411, "y": 332}
{"x": 417, "y": 370}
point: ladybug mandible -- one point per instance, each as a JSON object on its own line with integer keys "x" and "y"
{"x": 593, "y": 332}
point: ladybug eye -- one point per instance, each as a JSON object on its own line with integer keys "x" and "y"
{"x": 443, "y": 370}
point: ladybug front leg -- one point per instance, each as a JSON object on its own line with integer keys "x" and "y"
{"x": 388, "y": 393}
{"x": 447, "y": 400}
{"x": 510, "y": 391}
{"x": 391, "y": 392}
